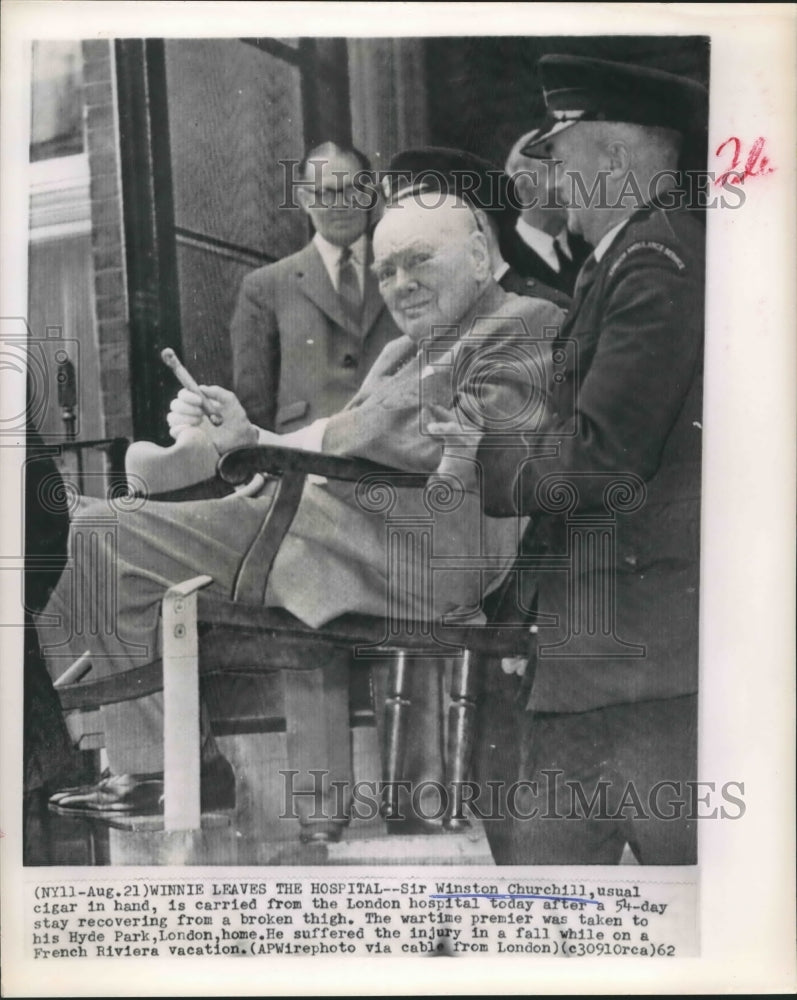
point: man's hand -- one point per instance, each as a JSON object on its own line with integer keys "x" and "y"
{"x": 460, "y": 439}
{"x": 454, "y": 434}
{"x": 514, "y": 665}
{"x": 235, "y": 430}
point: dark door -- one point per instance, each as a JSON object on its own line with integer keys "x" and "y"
{"x": 206, "y": 126}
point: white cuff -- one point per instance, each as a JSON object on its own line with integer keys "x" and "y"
{"x": 309, "y": 438}
{"x": 266, "y": 437}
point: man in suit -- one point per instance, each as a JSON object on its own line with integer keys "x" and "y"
{"x": 434, "y": 273}
{"x": 307, "y": 329}
{"x": 545, "y": 248}
{"x": 604, "y": 717}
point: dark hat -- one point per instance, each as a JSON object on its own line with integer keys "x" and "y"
{"x": 578, "y": 89}
{"x": 479, "y": 182}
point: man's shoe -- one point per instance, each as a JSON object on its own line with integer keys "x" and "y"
{"x": 138, "y": 795}
{"x": 142, "y": 794}
{"x": 63, "y": 793}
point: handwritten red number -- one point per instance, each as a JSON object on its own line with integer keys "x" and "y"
{"x": 733, "y": 171}
{"x": 756, "y": 165}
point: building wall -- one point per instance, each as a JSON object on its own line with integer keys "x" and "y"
{"x": 76, "y": 254}
{"x": 234, "y": 112}
{"x": 107, "y": 238}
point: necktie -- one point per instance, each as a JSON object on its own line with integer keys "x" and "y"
{"x": 349, "y": 286}
{"x": 565, "y": 262}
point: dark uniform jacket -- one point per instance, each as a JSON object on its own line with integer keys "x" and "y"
{"x": 296, "y": 356}
{"x": 625, "y": 401}
{"x": 527, "y": 262}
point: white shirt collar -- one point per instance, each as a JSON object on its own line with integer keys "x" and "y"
{"x": 606, "y": 240}
{"x": 330, "y": 255}
{"x": 500, "y": 271}
{"x": 540, "y": 242}
{"x": 562, "y": 240}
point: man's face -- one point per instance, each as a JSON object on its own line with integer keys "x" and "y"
{"x": 430, "y": 263}
{"x": 337, "y": 209}
{"x": 579, "y": 160}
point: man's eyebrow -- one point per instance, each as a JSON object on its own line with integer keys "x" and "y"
{"x": 413, "y": 243}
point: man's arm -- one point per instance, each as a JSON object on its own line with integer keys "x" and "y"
{"x": 649, "y": 350}
{"x": 254, "y": 334}
{"x": 234, "y": 428}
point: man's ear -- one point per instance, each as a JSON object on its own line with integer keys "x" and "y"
{"x": 481, "y": 255}
{"x": 305, "y": 195}
{"x": 619, "y": 157}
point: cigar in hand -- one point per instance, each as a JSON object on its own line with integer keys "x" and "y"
{"x": 172, "y": 361}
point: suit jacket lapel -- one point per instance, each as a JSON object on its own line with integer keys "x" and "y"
{"x": 313, "y": 281}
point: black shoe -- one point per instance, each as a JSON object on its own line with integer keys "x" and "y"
{"x": 63, "y": 793}
{"x": 142, "y": 794}
{"x": 138, "y": 795}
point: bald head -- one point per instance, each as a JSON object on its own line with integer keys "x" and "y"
{"x": 431, "y": 261}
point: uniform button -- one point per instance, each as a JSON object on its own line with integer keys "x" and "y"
{"x": 349, "y": 361}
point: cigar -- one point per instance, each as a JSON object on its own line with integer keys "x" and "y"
{"x": 172, "y": 361}
{"x": 76, "y": 672}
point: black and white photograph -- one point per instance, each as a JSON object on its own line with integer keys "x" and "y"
{"x": 367, "y": 398}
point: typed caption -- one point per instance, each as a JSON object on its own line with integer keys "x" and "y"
{"x": 359, "y": 916}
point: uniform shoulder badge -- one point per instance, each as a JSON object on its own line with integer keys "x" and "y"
{"x": 654, "y": 245}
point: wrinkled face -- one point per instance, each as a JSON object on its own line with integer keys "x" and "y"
{"x": 431, "y": 264}
{"x": 337, "y": 208}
